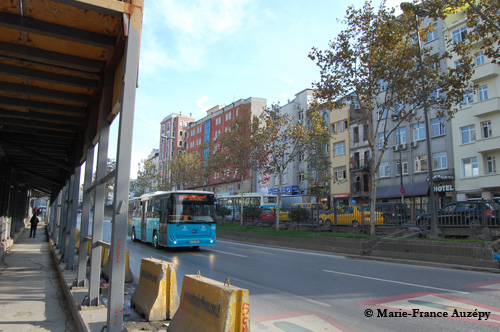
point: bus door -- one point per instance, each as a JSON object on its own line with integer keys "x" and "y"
{"x": 144, "y": 220}
{"x": 164, "y": 215}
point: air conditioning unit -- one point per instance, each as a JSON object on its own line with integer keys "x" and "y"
{"x": 395, "y": 147}
{"x": 413, "y": 144}
{"x": 215, "y": 138}
{"x": 403, "y": 146}
{"x": 357, "y": 108}
{"x": 394, "y": 117}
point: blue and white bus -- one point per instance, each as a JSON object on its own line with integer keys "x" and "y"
{"x": 233, "y": 202}
{"x": 173, "y": 218}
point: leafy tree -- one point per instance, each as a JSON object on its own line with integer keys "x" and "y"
{"x": 251, "y": 212}
{"x": 316, "y": 156}
{"x": 483, "y": 19}
{"x": 147, "y": 177}
{"x": 284, "y": 139}
{"x": 192, "y": 168}
{"x": 298, "y": 214}
{"x": 374, "y": 63}
{"x": 223, "y": 212}
{"x": 239, "y": 148}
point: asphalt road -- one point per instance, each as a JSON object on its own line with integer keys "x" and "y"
{"x": 298, "y": 291}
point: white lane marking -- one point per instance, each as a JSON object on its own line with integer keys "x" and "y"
{"x": 227, "y": 253}
{"x": 395, "y": 282}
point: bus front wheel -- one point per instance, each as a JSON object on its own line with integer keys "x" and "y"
{"x": 155, "y": 240}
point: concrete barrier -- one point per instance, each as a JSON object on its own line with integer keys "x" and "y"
{"x": 211, "y": 306}
{"x": 106, "y": 269}
{"x": 156, "y": 294}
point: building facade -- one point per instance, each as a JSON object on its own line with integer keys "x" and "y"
{"x": 203, "y": 134}
{"x": 294, "y": 180}
{"x": 403, "y": 172}
{"x": 173, "y": 142}
{"x": 475, "y": 127}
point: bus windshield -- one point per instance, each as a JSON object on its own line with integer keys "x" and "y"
{"x": 193, "y": 208}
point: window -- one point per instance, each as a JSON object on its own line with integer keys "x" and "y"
{"x": 421, "y": 163}
{"x": 433, "y": 33}
{"x": 382, "y": 113}
{"x": 339, "y": 173}
{"x": 459, "y": 34}
{"x": 419, "y": 131}
{"x": 339, "y": 127}
{"x": 470, "y": 167}
{"x": 302, "y": 177}
{"x": 405, "y": 167}
{"x": 355, "y": 134}
{"x": 339, "y": 148}
{"x": 436, "y": 93}
{"x": 381, "y": 140}
{"x": 333, "y": 128}
{"x": 401, "y": 135}
{"x": 480, "y": 58}
{"x": 382, "y": 85}
{"x": 346, "y": 124}
{"x": 398, "y": 107}
{"x": 366, "y": 133}
{"x": 491, "y": 165}
{"x": 486, "y": 129}
{"x": 483, "y": 93}
{"x": 440, "y": 160}
{"x": 438, "y": 127}
{"x": 467, "y": 134}
{"x": 385, "y": 170}
{"x": 468, "y": 99}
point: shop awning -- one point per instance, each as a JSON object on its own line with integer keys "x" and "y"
{"x": 414, "y": 189}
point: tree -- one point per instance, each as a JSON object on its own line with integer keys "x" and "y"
{"x": 318, "y": 175}
{"x": 284, "y": 139}
{"x": 239, "y": 149}
{"x": 483, "y": 19}
{"x": 147, "y": 177}
{"x": 373, "y": 63}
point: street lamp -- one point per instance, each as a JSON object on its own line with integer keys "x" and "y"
{"x": 411, "y": 8}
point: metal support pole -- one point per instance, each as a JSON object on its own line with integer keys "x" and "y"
{"x": 75, "y": 188}
{"x": 100, "y": 192}
{"x": 62, "y": 219}
{"x": 122, "y": 183}
{"x": 85, "y": 219}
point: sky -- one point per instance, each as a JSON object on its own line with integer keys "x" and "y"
{"x": 197, "y": 54}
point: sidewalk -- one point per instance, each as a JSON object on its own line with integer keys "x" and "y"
{"x": 31, "y": 297}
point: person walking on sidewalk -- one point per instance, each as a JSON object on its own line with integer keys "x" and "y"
{"x": 34, "y": 223}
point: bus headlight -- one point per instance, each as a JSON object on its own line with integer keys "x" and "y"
{"x": 173, "y": 239}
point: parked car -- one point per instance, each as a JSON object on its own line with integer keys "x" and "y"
{"x": 267, "y": 215}
{"x": 351, "y": 215}
{"x": 463, "y": 214}
{"x": 393, "y": 213}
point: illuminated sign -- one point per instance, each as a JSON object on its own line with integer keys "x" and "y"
{"x": 193, "y": 198}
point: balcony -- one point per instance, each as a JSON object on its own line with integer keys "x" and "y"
{"x": 486, "y": 71}
{"x": 486, "y": 107}
{"x": 488, "y": 145}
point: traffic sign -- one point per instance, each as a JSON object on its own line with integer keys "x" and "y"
{"x": 403, "y": 190}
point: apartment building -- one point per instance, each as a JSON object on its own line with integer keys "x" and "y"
{"x": 340, "y": 143}
{"x": 476, "y": 126}
{"x": 403, "y": 172}
{"x": 294, "y": 180}
{"x": 203, "y": 134}
{"x": 173, "y": 135}
{"x": 360, "y": 154}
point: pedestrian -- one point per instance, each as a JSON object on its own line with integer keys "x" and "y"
{"x": 34, "y": 223}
